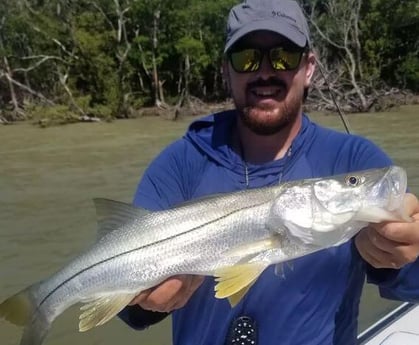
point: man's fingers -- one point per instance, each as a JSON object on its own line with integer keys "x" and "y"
{"x": 363, "y": 244}
{"x": 172, "y": 294}
{"x": 380, "y": 241}
{"x": 375, "y": 256}
{"x": 397, "y": 232}
{"x": 193, "y": 284}
{"x": 141, "y": 297}
{"x": 181, "y": 297}
{"x": 391, "y": 244}
{"x": 401, "y": 231}
{"x": 379, "y": 259}
{"x": 161, "y": 298}
{"x": 410, "y": 204}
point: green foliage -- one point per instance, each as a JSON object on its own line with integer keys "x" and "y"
{"x": 390, "y": 40}
{"x": 47, "y": 116}
{"x": 408, "y": 72}
{"x": 105, "y": 54}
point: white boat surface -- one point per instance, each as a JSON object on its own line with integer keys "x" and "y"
{"x": 399, "y": 327}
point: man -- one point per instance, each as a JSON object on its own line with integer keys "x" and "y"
{"x": 266, "y": 140}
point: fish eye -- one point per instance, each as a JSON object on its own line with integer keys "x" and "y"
{"x": 352, "y": 181}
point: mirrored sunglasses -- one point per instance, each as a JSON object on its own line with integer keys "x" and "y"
{"x": 281, "y": 58}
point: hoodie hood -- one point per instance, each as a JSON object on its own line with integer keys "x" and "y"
{"x": 212, "y": 136}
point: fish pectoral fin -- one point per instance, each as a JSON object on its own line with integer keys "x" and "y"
{"x": 254, "y": 247}
{"x": 101, "y": 310}
{"x": 236, "y": 280}
{"x": 280, "y": 268}
{"x": 250, "y": 249}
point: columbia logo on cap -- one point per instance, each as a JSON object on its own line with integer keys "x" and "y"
{"x": 281, "y": 14}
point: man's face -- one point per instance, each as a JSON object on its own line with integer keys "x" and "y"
{"x": 268, "y": 99}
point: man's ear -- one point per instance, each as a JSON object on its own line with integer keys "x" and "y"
{"x": 310, "y": 68}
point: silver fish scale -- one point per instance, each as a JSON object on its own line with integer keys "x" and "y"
{"x": 179, "y": 240}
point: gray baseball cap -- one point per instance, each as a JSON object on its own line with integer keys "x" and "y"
{"x": 284, "y": 17}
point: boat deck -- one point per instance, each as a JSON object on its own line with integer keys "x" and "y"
{"x": 400, "y": 327}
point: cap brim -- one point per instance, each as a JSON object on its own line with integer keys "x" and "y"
{"x": 282, "y": 28}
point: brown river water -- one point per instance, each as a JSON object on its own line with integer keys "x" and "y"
{"x": 48, "y": 178}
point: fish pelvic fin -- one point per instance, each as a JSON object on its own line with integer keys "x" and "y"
{"x": 101, "y": 310}
{"x": 22, "y": 310}
{"x": 234, "y": 282}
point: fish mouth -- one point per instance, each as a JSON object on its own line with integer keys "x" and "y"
{"x": 385, "y": 201}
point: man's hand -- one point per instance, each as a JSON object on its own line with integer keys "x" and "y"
{"x": 172, "y": 294}
{"x": 391, "y": 244}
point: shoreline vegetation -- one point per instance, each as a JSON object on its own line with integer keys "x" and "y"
{"x": 63, "y": 115}
{"x": 85, "y": 61}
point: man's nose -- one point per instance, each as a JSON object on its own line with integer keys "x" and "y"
{"x": 265, "y": 70}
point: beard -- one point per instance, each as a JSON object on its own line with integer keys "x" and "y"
{"x": 271, "y": 118}
{"x": 267, "y": 120}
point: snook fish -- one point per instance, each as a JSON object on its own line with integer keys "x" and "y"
{"x": 232, "y": 237}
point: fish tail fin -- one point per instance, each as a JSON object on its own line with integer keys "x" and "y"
{"x": 18, "y": 309}
{"x": 22, "y": 310}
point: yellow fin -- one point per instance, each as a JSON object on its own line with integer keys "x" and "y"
{"x": 101, "y": 310}
{"x": 234, "y": 281}
{"x": 236, "y": 298}
{"x": 17, "y": 309}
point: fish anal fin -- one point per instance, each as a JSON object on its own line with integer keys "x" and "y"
{"x": 102, "y": 309}
{"x": 237, "y": 297}
{"x": 236, "y": 280}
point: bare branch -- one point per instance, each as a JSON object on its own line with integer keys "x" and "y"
{"x": 95, "y": 5}
{"x": 63, "y": 48}
{"x": 321, "y": 33}
{"x": 121, "y": 21}
{"x": 37, "y": 64}
{"x": 28, "y": 89}
{"x": 63, "y": 81}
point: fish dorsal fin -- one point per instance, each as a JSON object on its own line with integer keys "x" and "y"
{"x": 112, "y": 215}
{"x": 234, "y": 281}
{"x": 102, "y": 309}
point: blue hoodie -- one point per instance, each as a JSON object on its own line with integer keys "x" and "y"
{"x": 317, "y": 302}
